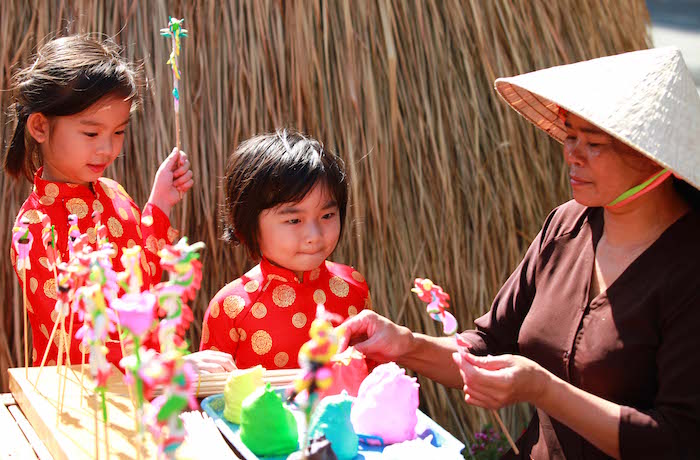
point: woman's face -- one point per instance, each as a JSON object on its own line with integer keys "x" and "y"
{"x": 601, "y": 168}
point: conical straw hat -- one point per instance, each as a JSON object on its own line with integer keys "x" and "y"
{"x": 646, "y": 99}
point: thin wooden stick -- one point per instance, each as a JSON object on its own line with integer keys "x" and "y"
{"x": 106, "y": 426}
{"x": 97, "y": 428}
{"x": 59, "y": 362}
{"x": 68, "y": 361}
{"x": 53, "y": 332}
{"x": 82, "y": 375}
{"x": 26, "y": 348}
{"x": 505, "y": 431}
{"x": 46, "y": 352}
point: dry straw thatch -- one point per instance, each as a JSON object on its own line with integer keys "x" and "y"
{"x": 447, "y": 182}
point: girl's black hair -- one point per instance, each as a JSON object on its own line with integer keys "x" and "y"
{"x": 272, "y": 169}
{"x": 68, "y": 75}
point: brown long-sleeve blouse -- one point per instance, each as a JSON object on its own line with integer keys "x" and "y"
{"x": 636, "y": 344}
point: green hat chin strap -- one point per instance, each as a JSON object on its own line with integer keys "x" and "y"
{"x": 639, "y": 190}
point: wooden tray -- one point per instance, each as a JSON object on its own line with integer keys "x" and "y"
{"x": 71, "y": 434}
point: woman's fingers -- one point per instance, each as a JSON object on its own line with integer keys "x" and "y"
{"x": 488, "y": 362}
{"x": 481, "y": 398}
{"x": 353, "y": 327}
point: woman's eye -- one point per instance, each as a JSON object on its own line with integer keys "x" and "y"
{"x": 328, "y": 216}
{"x": 293, "y": 221}
{"x": 91, "y": 134}
{"x": 120, "y": 133}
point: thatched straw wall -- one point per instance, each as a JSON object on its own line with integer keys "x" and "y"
{"x": 447, "y": 182}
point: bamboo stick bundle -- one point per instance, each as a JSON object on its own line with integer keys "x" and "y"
{"x": 211, "y": 384}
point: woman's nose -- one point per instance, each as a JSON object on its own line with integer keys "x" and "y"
{"x": 573, "y": 153}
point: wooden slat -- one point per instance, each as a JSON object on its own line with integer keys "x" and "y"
{"x": 15, "y": 444}
{"x": 39, "y": 448}
{"x": 212, "y": 384}
{"x": 71, "y": 434}
{"x": 7, "y": 400}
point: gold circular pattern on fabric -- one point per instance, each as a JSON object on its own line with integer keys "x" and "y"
{"x": 50, "y": 288}
{"x": 357, "y": 276}
{"x": 51, "y": 362}
{"x": 281, "y": 359}
{"x": 161, "y": 244}
{"x": 123, "y": 214}
{"x": 108, "y": 191}
{"x": 115, "y": 227}
{"x": 153, "y": 267}
{"x": 319, "y": 297}
{"x": 259, "y": 310}
{"x": 44, "y": 331}
{"x": 338, "y": 286}
{"x": 138, "y": 231}
{"x": 130, "y": 244}
{"x": 205, "y": 333}
{"x": 30, "y": 309}
{"x": 314, "y": 274}
{"x": 283, "y": 296}
{"x": 78, "y": 207}
{"x": 147, "y": 221}
{"x": 121, "y": 190}
{"x": 299, "y": 320}
{"x": 43, "y": 261}
{"x": 34, "y": 354}
{"x": 352, "y": 310}
{"x": 47, "y": 200}
{"x": 277, "y": 277}
{"x": 97, "y": 206}
{"x": 54, "y": 315}
{"x": 251, "y": 286}
{"x": 144, "y": 263}
{"x": 92, "y": 235}
{"x": 237, "y": 334}
{"x": 261, "y": 342}
{"x": 214, "y": 310}
{"x": 152, "y": 244}
{"x": 214, "y": 348}
{"x": 33, "y": 284}
{"x": 136, "y": 213}
{"x": 32, "y": 216}
{"x": 51, "y": 190}
{"x": 172, "y": 234}
{"x": 368, "y": 302}
{"x": 233, "y": 305}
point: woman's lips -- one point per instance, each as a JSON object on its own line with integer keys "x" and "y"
{"x": 577, "y": 181}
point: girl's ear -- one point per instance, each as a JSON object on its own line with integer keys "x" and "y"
{"x": 38, "y": 127}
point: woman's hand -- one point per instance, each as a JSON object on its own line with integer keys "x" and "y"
{"x": 174, "y": 177}
{"x": 496, "y": 381}
{"x": 375, "y": 336}
{"x": 211, "y": 361}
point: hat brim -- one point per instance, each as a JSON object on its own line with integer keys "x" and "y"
{"x": 544, "y": 114}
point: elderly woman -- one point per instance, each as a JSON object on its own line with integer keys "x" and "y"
{"x": 599, "y": 325}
